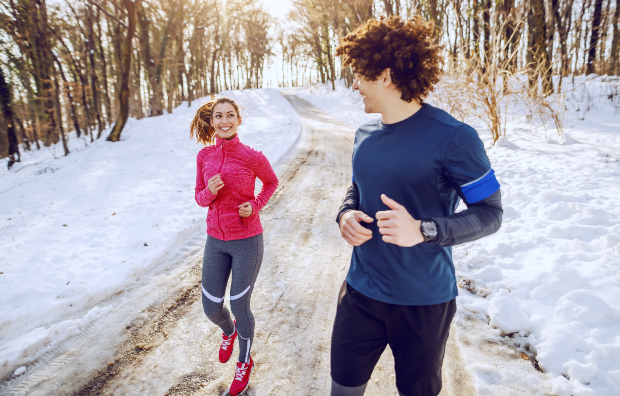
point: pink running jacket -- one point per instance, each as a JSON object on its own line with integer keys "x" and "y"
{"x": 239, "y": 166}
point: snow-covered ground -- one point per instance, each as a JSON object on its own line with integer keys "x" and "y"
{"x": 548, "y": 283}
{"x": 76, "y": 230}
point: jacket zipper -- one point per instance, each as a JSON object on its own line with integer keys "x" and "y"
{"x": 218, "y": 206}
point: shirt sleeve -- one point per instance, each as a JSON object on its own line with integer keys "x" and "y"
{"x": 203, "y": 195}
{"x": 265, "y": 173}
{"x": 351, "y": 200}
{"x": 467, "y": 164}
{"x": 478, "y": 220}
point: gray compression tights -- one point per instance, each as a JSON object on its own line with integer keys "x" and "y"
{"x": 242, "y": 258}
{"x": 339, "y": 390}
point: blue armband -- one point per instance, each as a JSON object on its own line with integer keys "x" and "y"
{"x": 480, "y": 188}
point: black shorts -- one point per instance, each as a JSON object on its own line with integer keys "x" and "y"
{"x": 417, "y": 335}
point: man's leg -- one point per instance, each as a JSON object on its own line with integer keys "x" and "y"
{"x": 417, "y": 335}
{"x": 358, "y": 340}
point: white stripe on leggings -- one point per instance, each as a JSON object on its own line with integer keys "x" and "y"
{"x": 210, "y": 297}
{"x": 236, "y": 296}
{"x": 247, "y": 350}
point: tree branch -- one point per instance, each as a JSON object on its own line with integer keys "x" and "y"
{"x": 107, "y": 13}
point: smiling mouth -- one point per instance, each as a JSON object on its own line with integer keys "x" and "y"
{"x": 225, "y": 129}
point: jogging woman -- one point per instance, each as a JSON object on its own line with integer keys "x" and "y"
{"x": 225, "y": 180}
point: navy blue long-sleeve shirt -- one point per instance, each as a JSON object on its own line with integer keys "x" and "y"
{"x": 426, "y": 163}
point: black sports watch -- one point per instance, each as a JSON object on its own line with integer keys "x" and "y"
{"x": 429, "y": 230}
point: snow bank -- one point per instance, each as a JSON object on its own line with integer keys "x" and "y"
{"x": 548, "y": 283}
{"x": 76, "y": 230}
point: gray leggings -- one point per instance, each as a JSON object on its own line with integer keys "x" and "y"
{"x": 242, "y": 257}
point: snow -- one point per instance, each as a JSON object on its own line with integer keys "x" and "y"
{"x": 77, "y": 230}
{"x": 544, "y": 290}
{"x": 504, "y": 314}
{"x": 547, "y": 284}
{"x": 486, "y": 372}
{"x": 342, "y": 103}
{"x": 19, "y": 371}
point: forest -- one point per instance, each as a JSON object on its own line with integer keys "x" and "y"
{"x": 82, "y": 67}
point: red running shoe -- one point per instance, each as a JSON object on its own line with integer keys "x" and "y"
{"x": 226, "y": 348}
{"x": 242, "y": 378}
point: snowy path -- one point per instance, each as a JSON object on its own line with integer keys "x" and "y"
{"x": 158, "y": 342}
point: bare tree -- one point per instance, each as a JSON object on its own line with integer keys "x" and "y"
{"x": 130, "y": 6}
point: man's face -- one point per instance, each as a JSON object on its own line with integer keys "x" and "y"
{"x": 371, "y": 91}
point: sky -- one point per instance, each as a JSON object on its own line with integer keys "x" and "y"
{"x": 278, "y": 8}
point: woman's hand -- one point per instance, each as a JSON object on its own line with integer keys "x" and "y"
{"x": 215, "y": 184}
{"x": 245, "y": 210}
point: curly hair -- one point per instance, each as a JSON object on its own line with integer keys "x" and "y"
{"x": 201, "y": 124}
{"x": 405, "y": 47}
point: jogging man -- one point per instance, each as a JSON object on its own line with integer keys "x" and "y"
{"x": 410, "y": 168}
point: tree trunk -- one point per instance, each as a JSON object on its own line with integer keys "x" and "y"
{"x": 510, "y": 40}
{"x": 138, "y": 111}
{"x": 486, "y": 15}
{"x": 157, "y": 103}
{"x": 596, "y": 21}
{"x": 77, "y": 74}
{"x": 433, "y": 14}
{"x": 615, "y": 41}
{"x": 130, "y": 6}
{"x": 170, "y": 86}
{"x": 563, "y": 27}
{"x": 149, "y": 64}
{"x": 579, "y": 21}
{"x": 94, "y": 82}
{"x": 5, "y": 107}
{"x": 117, "y": 60}
{"x": 212, "y": 88}
{"x": 85, "y": 102}
{"x": 387, "y": 4}
{"x": 330, "y": 60}
{"x": 538, "y": 61}
{"x": 72, "y": 110}
{"x": 476, "y": 34}
{"x": 41, "y": 57}
{"x": 30, "y": 104}
{"x": 553, "y": 6}
{"x": 20, "y": 125}
{"x": 61, "y": 129}
{"x": 604, "y": 67}
{"x": 104, "y": 74}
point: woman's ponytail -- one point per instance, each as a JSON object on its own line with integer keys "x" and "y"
{"x": 201, "y": 126}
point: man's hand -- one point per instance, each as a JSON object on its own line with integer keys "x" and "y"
{"x": 351, "y": 230}
{"x": 397, "y": 226}
{"x": 245, "y": 210}
{"x": 215, "y": 184}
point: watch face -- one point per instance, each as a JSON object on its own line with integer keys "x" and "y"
{"x": 429, "y": 230}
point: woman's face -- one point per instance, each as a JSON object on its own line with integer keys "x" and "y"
{"x": 225, "y": 120}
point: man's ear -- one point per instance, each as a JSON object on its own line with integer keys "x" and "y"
{"x": 386, "y": 77}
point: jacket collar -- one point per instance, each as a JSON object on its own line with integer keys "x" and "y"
{"x": 228, "y": 144}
